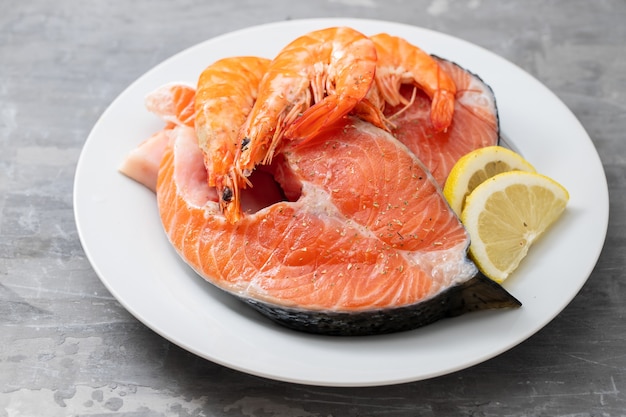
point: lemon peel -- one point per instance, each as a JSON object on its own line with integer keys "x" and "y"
{"x": 477, "y": 166}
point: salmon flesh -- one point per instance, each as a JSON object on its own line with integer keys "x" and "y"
{"x": 360, "y": 242}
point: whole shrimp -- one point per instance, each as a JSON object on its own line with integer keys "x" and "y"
{"x": 226, "y": 92}
{"x": 400, "y": 62}
{"x": 314, "y": 81}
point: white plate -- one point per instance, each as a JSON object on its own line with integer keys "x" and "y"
{"x": 120, "y": 231}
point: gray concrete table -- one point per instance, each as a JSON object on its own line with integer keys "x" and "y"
{"x": 67, "y": 347}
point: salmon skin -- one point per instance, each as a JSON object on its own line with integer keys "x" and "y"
{"x": 475, "y": 124}
{"x": 479, "y": 293}
{"x": 363, "y": 244}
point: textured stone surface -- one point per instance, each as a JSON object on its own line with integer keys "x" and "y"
{"x": 67, "y": 347}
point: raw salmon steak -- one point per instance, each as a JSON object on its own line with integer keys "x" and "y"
{"x": 361, "y": 241}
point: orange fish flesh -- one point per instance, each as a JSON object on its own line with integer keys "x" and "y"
{"x": 365, "y": 244}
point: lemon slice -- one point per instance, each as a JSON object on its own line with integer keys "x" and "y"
{"x": 475, "y": 167}
{"x": 506, "y": 214}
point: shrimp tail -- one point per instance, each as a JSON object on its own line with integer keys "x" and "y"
{"x": 367, "y": 111}
{"x": 317, "y": 117}
{"x": 442, "y": 110}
